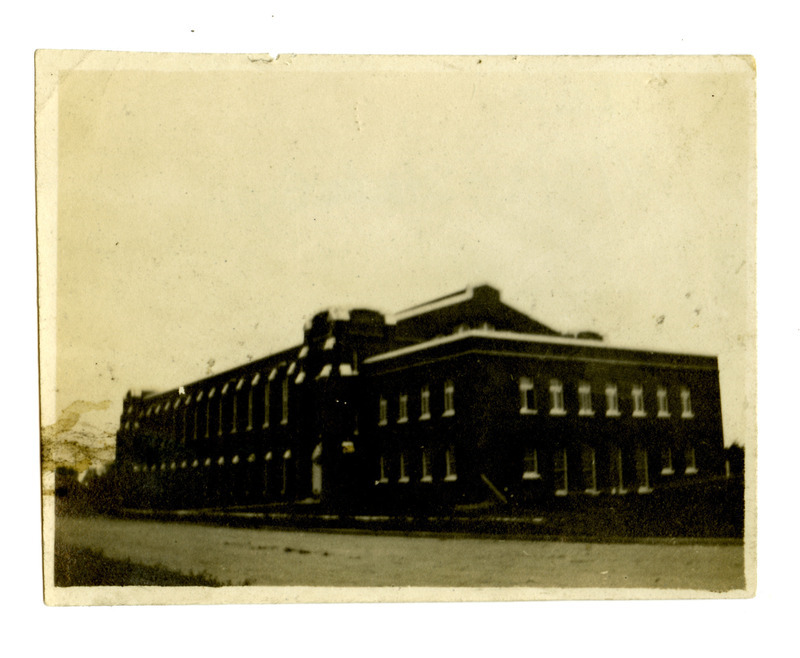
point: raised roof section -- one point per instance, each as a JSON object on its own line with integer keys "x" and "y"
{"x": 475, "y": 307}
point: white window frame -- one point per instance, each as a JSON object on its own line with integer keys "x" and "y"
{"x": 557, "y": 398}
{"x": 530, "y": 464}
{"x": 425, "y": 402}
{"x": 662, "y": 396}
{"x": 450, "y": 464}
{"x": 612, "y": 400}
{"x": 637, "y": 398}
{"x": 527, "y": 396}
{"x": 382, "y": 470}
{"x": 449, "y": 398}
{"x": 686, "y": 403}
{"x": 402, "y": 411}
{"x": 585, "y": 399}
{"x": 383, "y": 411}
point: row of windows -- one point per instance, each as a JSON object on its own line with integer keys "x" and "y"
{"x": 425, "y": 461}
{"x": 206, "y": 419}
{"x": 425, "y": 404}
{"x": 528, "y": 402}
{"x": 619, "y": 484}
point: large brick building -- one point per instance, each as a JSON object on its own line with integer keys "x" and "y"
{"x": 461, "y": 403}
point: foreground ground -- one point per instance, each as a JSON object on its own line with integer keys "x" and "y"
{"x": 264, "y": 556}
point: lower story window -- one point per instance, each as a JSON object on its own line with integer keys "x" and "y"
{"x": 450, "y": 464}
{"x": 590, "y": 470}
{"x": 691, "y": 462}
{"x": 427, "y": 475}
{"x": 530, "y": 465}
{"x": 617, "y": 474}
{"x": 643, "y": 471}
{"x": 666, "y": 462}
{"x": 403, "y": 468}
{"x": 560, "y": 475}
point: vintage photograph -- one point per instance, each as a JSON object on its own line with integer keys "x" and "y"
{"x": 396, "y": 328}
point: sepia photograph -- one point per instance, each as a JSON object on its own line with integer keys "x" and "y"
{"x": 338, "y": 328}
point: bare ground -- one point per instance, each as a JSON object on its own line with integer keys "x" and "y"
{"x": 265, "y": 556}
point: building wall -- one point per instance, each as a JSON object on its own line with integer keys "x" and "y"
{"x": 379, "y": 416}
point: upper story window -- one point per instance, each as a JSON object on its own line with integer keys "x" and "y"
{"x": 425, "y": 403}
{"x": 686, "y": 403}
{"x": 585, "y": 399}
{"x": 285, "y": 401}
{"x": 382, "y": 411}
{"x": 402, "y": 414}
{"x": 267, "y": 387}
{"x": 530, "y": 464}
{"x": 556, "y": 398}
{"x": 663, "y": 402}
{"x": 449, "y": 393}
{"x": 527, "y": 396}
{"x": 612, "y": 400}
{"x": 637, "y": 395}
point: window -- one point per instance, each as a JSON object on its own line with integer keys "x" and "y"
{"x": 585, "y": 399}
{"x": 527, "y": 396}
{"x": 449, "y": 389}
{"x": 425, "y": 403}
{"x": 560, "y": 472}
{"x": 235, "y": 411}
{"x": 556, "y": 398}
{"x": 403, "y": 468}
{"x": 382, "y": 414}
{"x": 612, "y": 400}
{"x": 637, "y": 393}
{"x": 267, "y": 387}
{"x": 402, "y": 415}
{"x": 643, "y": 471}
{"x": 250, "y": 409}
{"x": 666, "y": 461}
{"x": 285, "y": 401}
{"x": 686, "y": 403}
{"x": 382, "y": 470}
{"x": 589, "y": 470}
{"x": 663, "y": 402}
{"x": 450, "y": 464}
{"x": 427, "y": 475}
{"x": 691, "y": 462}
{"x": 617, "y": 471}
{"x": 285, "y": 472}
{"x": 530, "y": 463}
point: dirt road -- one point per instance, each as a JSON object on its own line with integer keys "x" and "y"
{"x": 245, "y": 556}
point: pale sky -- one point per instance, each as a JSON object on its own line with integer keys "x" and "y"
{"x": 203, "y": 215}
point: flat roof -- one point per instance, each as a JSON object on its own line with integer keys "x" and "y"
{"x": 526, "y": 338}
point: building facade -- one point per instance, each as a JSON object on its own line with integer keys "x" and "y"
{"x": 458, "y": 405}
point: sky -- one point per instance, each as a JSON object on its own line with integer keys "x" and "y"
{"x": 206, "y": 207}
